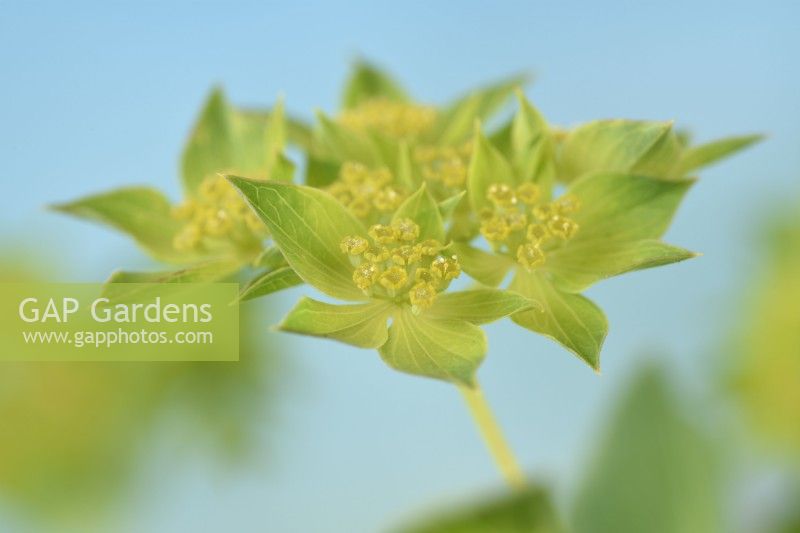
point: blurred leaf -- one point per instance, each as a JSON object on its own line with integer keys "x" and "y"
{"x": 367, "y": 82}
{"x": 308, "y": 225}
{"x": 526, "y": 511}
{"x": 362, "y": 325}
{"x": 652, "y": 471}
{"x": 706, "y": 154}
{"x": 439, "y": 348}
{"x": 570, "y": 319}
{"x": 270, "y": 282}
{"x": 764, "y": 367}
{"x": 141, "y": 212}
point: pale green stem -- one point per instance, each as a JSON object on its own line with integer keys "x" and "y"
{"x": 493, "y": 436}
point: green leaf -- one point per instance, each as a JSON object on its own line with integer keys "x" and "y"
{"x": 570, "y": 319}
{"x": 457, "y": 121}
{"x": 275, "y": 139}
{"x": 620, "y": 221}
{"x": 209, "y": 149}
{"x": 321, "y": 172}
{"x": 225, "y": 140}
{"x": 298, "y": 133}
{"x": 487, "y": 167}
{"x": 367, "y": 82}
{"x": 269, "y": 282}
{"x": 523, "y": 511}
{"x": 489, "y": 269}
{"x": 270, "y": 258}
{"x": 575, "y": 268}
{"x": 342, "y": 144}
{"x": 533, "y": 151}
{"x": 408, "y": 176}
{"x": 444, "y": 349}
{"x": 479, "y": 306}
{"x": 422, "y": 209}
{"x": 362, "y": 325}
{"x": 205, "y": 272}
{"x": 653, "y": 470}
{"x": 709, "y": 153}
{"x": 448, "y": 206}
{"x": 308, "y": 225}
{"x": 620, "y": 207}
{"x": 140, "y": 212}
{"x": 609, "y": 146}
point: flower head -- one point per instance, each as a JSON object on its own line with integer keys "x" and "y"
{"x": 216, "y": 212}
{"x": 391, "y": 264}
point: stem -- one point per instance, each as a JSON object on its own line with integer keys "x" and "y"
{"x": 493, "y": 436}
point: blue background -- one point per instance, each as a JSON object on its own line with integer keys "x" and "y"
{"x": 96, "y": 96}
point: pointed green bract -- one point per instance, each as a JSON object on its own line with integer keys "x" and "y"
{"x": 609, "y": 146}
{"x": 570, "y": 319}
{"x": 226, "y": 140}
{"x": 489, "y": 269}
{"x": 362, "y": 325}
{"x": 479, "y": 306}
{"x": 487, "y": 167}
{"x": 342, "y": 144}
{"x": 270, "y": 282}
{"x": 204, "y": 272}
{"x": 620, "y": 221}
{"x": 422, "y": 209}
{"x": 706, "y": 154}
{"x": 308, "y": 225}
{"x": 444, "y": 349}
{"x": 621, "y": 207}
{"x": 532, "y": 149}
{"x": 447, "y": 207}
{"x": 209, "y": 149}
{"x": 407, "y": 173}
{"x": 457, "y": 121}
{"x": 141, "y": 212}
{"x": 367, "y": 82}
{"x": 575, "y": 268}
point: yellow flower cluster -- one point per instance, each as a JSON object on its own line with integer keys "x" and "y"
{"x": 518, "y": 219}
{"x": 391, "y": 264}
{"x": 217, "y": 211}
{"x": 444, "y": 164}
{"x": 391, "y": 118}
{"x": 368, "y": 194}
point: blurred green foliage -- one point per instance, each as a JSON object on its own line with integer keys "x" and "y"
{"x": 524, "y": 511}
{"x": 765, "y": 376}
{"x": 74, "y": 434}
{"x": 654, "y": 471}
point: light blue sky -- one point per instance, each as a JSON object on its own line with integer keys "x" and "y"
{"x": 96, "y": 96}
